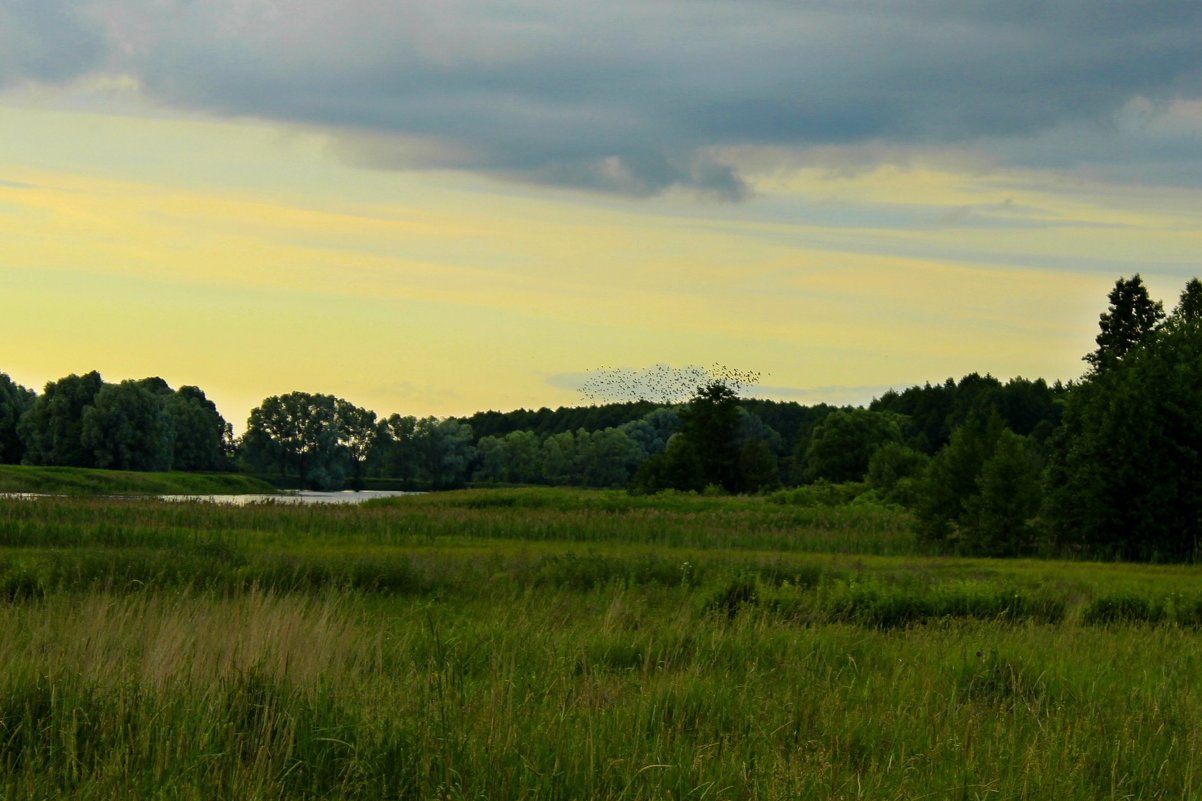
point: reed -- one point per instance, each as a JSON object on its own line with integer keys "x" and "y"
{"x": 188, "y": 652}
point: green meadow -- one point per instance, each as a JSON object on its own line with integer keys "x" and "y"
{"x": 89, "y": 481}
{"x": 555, "y": 644}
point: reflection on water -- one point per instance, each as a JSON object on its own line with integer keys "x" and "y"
{"x": 303, "y": 497}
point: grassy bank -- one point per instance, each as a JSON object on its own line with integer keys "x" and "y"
{"x": 541, "y": 644}
{"x": 85, "y": 481}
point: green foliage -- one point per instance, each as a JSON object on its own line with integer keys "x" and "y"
{"x": 601, "y": 458}
{"x": 294, "y": 433}
{"x": 546, "y": 422}
{"x": 559, "y": 463}
{"x": 652, "y": 431}
{"x": 893, "y": 472}
{"x": 981, "y": 494}
{"x": 932, "y": 412}
{"x": 791, "y": 421}
{"x": 523, "y": 451}
{"x": 1189, "y": 306}
{"x": 820, "y": 493}
{"x": 1001, "y": 514}
{"x": 662, "y": 456}
{"x": 52, "y": 429}
{"x": 515, "y": 458}
{"x": 719, "y": 445}
{"x": 394, "y": 452}
{"x": 15, "y": 400}
{"x": 203, "y": 440}
{"x": 322, "y": 440}
{"x": 128, "y": 427}
{"x": 357, "y": 433}
{"x": 444, "y": 451}
{"x": 492, "y": 460}
{"x": 885, "y": 605}
{"x": 844, "y": 442}
{"x": 607, "y": 458}
{"x": 709, "y": 422}
{"x": 678, "y": 468}
{"x": 1122, "y": 608}
{"x": 738, "y": 594}
{"x": 1125, "y": 472}
{"x": 80, "y": 421}
{"x": 950, "y": 480}
{"x": 758, "y": 467}
{"x": 1130, "y": 321}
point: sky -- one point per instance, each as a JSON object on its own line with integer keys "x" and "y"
{"x": 435, "y": 208}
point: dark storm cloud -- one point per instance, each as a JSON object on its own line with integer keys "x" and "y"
{"x": 47, "y": 40}
{"x": 637, "y": 97}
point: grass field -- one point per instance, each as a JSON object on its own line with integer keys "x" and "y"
{"x": 86, "y": 481}
{"x": 524, "y": 644}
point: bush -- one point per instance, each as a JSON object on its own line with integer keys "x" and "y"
{"x": 19, "y": 584}
{"x": 820, "y": 493}
{"x": 737, "y": 594}
{"x": 1121, "y": 608}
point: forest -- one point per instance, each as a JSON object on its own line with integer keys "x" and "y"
{"x": 1106, "y": 466}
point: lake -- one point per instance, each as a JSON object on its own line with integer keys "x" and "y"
{"x": 302, "y": 497}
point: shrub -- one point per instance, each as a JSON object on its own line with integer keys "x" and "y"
{"x": 738, "y": 593}
{"x": 1121, "y": 608}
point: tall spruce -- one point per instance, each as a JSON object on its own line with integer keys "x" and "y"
{"x": 1130, "y": 321}
{"x": 1125, "y": 471}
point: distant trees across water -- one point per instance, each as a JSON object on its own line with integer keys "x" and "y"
{"x": 1109, "y": 465}
{"x": 714, "y": 440}
{"x": 82, "y": 421}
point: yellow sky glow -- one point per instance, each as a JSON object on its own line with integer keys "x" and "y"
{"x": 246, "y": 259}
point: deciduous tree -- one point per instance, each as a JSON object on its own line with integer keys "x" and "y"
{"x": 1000, "y": 517}
{"x": 843, "y": 443}
{"x": 127, "y": 427}
{"x": 445, "y": 451}
{"x": 15, "y": 400}
{"x": 298, "y": 434}
{"x": 52, "y": 428}
{"x": 356, "y": 435}
{"x": 710, "y": 424}
{"x": 203, "y": 439}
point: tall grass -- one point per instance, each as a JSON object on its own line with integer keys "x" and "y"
{"x": 426, "y": 650}
{"x": 606, "y": 694}
{"x": 526, "y": 515}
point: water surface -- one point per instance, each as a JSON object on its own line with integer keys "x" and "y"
{"x": 302, "y": 497}
{"x": 305, "y": 497}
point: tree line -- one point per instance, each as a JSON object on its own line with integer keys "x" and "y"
{"x": 1108, "y": 465}
{"x": 82, "y": 421}
{"x": 1120, "y": 473}
{"x": 319, "y": 440}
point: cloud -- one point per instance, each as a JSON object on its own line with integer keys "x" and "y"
{"x": 47, "y": 41}
{"x": 573, "y": 381}
{"x": 636, "y": 98}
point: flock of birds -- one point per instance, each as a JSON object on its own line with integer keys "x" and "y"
{"x": 661, "y": 383}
